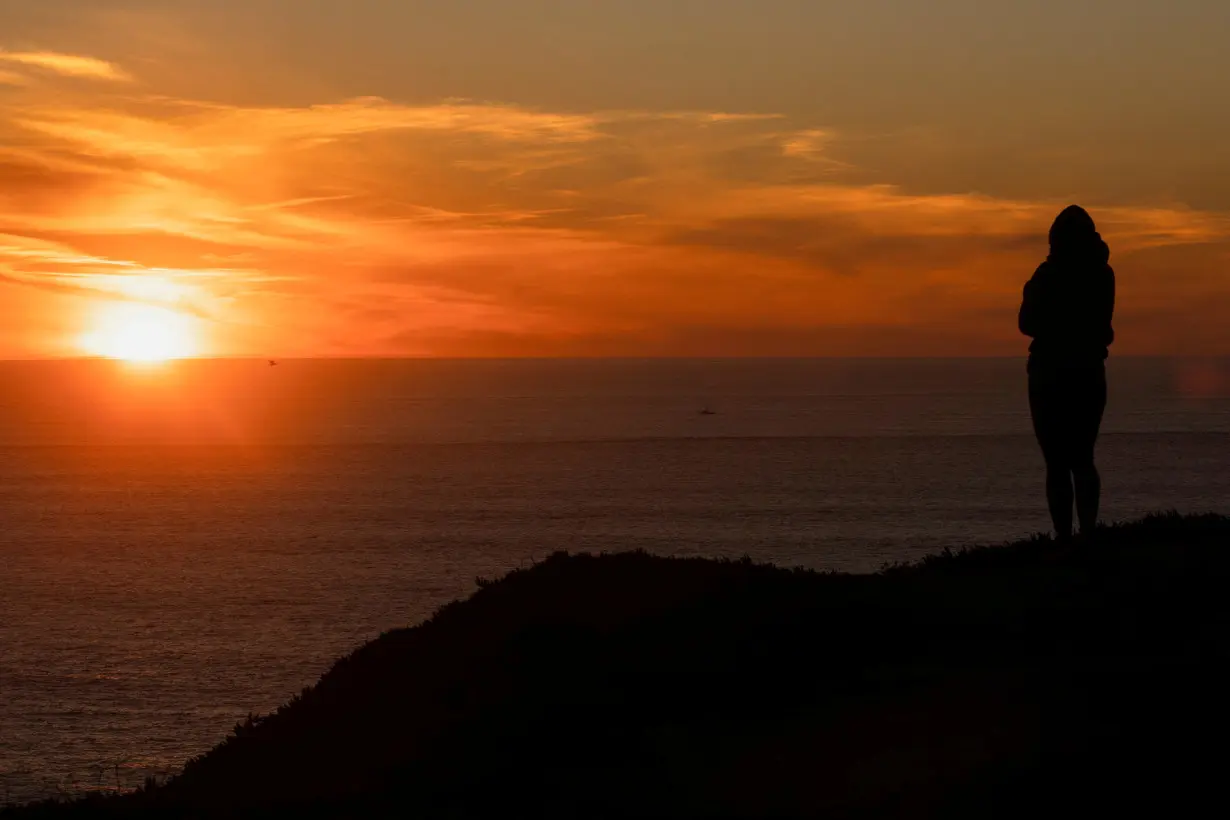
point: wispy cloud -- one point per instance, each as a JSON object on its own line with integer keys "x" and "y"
{"x": 369, "y": 226}
{"x": 67, "y": 65}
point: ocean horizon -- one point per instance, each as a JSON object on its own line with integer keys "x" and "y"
{"x": 190, "y": 542}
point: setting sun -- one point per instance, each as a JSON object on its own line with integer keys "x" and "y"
{"x": 141, "y": 333}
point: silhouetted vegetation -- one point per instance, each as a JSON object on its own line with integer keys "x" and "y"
{"x": 1021, "y": 680}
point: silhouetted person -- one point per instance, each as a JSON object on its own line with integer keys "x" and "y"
{"x": 1067, "y": 310}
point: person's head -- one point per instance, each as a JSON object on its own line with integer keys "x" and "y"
{"x": 1074, "y": 231}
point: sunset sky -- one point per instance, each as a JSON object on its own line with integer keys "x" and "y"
{"x": 602, "y": 177}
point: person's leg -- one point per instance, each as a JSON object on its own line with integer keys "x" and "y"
{"x": 1088, "y": 496}
{"x": 1059, "y": 497}
{"x": 1088, "y": 482}
{"x": 1046, "y": 407}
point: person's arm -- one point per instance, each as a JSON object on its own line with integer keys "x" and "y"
{"x": 1106, "y": 306}
{"x": 1027, "y": 319}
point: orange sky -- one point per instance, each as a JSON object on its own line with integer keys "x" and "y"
{"x": 295, "y": 187}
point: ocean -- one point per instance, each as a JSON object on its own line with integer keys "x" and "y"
{"x": 184, "y": 544}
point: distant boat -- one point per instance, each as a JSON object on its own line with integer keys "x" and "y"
{"x": 272, "y": 363}
{"x": 708, "y": 412}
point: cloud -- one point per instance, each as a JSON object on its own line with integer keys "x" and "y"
{"x": 56, "y": 267}
{"x": 463, "y": 228}
{"x": 67, "y": 65}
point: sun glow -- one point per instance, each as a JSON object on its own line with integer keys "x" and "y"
{"x": 135, "y": 332}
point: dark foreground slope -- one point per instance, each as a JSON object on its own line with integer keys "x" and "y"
{"x": 997, "y": 682}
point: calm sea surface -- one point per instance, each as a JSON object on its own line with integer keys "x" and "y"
{"x": 183, "y": 545}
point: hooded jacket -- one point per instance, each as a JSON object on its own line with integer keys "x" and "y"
{"x": 1069, "y": 303}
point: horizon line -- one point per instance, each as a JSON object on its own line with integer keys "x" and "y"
{"x": 413, "y": 358}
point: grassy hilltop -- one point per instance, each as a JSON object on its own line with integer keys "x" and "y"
{"x": 1007, "y": 681}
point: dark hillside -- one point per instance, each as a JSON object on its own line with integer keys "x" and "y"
{"x": 1001, "y": 681}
